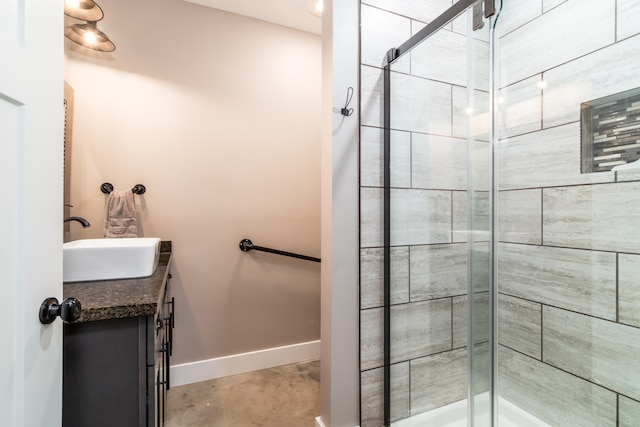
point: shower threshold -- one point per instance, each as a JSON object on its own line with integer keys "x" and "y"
{"x": 455, "y": 415}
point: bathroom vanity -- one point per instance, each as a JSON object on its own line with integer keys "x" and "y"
{"x": 116, "y": 355}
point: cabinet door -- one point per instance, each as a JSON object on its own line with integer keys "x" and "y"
{"x": 104, "y": 374}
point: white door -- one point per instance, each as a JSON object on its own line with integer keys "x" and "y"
{"x": 31, "y": 176}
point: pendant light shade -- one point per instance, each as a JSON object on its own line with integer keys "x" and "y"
{"x": 315, "y": 7}
{"x": 86, "y": 10}
{"x": 89, "y": 36}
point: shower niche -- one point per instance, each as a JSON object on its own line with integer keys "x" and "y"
{"x": 610, "y": 131}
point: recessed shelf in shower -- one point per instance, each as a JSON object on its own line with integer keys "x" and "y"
{"x": 610, "y": 131}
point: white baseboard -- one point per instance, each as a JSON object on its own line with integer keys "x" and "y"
{"x": 319, "y": 422}
{"x": 204, "y": 370}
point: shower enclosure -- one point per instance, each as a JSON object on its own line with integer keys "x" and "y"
{"x": 500, "y": 251}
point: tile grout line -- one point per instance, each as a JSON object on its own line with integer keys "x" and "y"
{"x": 451, "y": 305}
{"x": 542, "y": 332}
{"x": 617, "y": 287}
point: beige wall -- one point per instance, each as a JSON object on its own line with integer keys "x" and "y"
{"x": 219, "y": 116}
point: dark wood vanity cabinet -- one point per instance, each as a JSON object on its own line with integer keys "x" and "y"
{"x": 116, "y": 371}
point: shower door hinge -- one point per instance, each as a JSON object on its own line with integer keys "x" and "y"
{"x": 482, "y": 9}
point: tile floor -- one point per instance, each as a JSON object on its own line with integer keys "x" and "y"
{"x": 285, "y": 396}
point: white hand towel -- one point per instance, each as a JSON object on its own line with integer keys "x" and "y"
{"x": 120, "y": 218}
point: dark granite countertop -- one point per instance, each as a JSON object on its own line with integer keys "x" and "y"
{"x": 114, "y": 299}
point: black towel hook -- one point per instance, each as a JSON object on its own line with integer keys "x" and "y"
{"x": 107, "y": 188}
{"x": 139, "y": 189}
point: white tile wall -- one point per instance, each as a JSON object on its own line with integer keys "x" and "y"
{"x": 460, "y": 211}
{"x": 371, "y": 96}
{"x": 460, "y": 111}
{"x": 481, "y": 319}
{"x": 372, "y": 158}
{"x": 438, "y": 380}
{"x": 372, "y": 276}
{"x": 480, "y": 264}
{"x": 420, "y": 217}
{"x": 628, "y": 175}
{"x": 419, "y": 329}
{"x": 438, "y": 162}
{"x": 552, "y": 395}
{"x": 519, "y": 216}
{"x": 629, "y": 289}
{"x": 546, "y": 158}
{"x": 520, "y": 107}
{"x": 442, "y": 57}
{"x": 548, "y": 41}
{"x": 420, "y": 105}
{"x": 416, "y": 9}
{"x": 629, "y": 412}
{"x": 480, "y": 221}
{"x": 516, "y": 13}
{"x": 400, "y": 391}
{"x": 372, "y": 390}
{"x": 628, "y": 12}
{"x": 461, "y": 25}
{"x": 481, "y": 163}
{"x": 380, "y": 31}
{"x": 438, "y": 271}
{"x": 611, "y": 71}
{"x": 470, "y": 116}
{"x": 603, "y": 352}
{"x": 578, "y": 280}
{"x": 372, "y": 393}
{"x": 371, "y": 217}
{"x": 372, "y": 397}
{"x": 547, "y": 5}
{"x": 520, "y": 325}
{"x": 599, "y": 217}
{"x": 483, "y": 378}
{"x": 371, "y": 338}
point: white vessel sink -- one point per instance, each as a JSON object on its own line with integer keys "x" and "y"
{"x": 104, "y": 259}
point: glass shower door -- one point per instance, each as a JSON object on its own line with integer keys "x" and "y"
{"x": 438, "y": 318}
{"x": 568, "y": 252}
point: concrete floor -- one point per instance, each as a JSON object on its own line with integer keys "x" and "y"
{"x": 285, "y": 396}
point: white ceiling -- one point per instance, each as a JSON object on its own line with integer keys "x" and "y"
{"x": 290, "y": 13}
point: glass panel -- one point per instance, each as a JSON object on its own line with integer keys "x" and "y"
{"x": 568, "y": 255}
{"x": 440, "y": 203}
{"x": 479, "y": 234}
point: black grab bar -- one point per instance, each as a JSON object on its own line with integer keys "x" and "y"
{"x": 247, "y": 245}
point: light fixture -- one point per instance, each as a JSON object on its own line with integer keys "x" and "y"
{"x": 315, "y": 7}
{"x": 86, "y": 10}
{"x": 88, "y": 35}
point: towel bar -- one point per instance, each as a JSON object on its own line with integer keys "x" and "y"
{"x": 246, "y": 245}
{"x": 107, "y": 188}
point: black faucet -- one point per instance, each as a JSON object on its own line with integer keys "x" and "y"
{"x": 82, "y": 221}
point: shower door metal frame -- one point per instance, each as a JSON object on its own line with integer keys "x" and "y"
{"x": 392, "y": 55}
